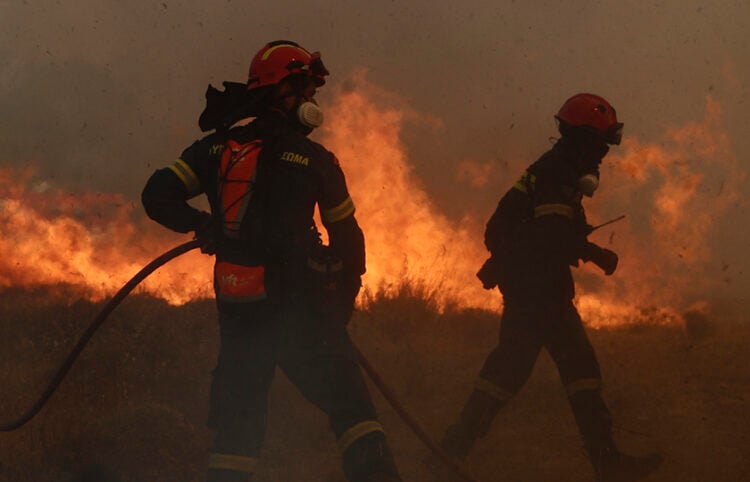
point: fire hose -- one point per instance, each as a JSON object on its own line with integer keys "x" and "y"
{"x": 98, "y": 321}
{"x": 143, "y": 274}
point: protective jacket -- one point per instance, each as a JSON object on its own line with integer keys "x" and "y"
{"x": 263, "y": 181}
{"x": 538, "y": 229}
{"x": 536, "y": 233}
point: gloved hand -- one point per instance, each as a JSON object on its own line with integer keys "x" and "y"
{"x": 348, "y": 291}
{"x": 490, "y": 272}
{"x": 205, "y": 234}
{"x": 607, "y": 261}
{"x": 604, "y": 258}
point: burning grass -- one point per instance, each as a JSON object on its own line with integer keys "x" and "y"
{"x": 674, "y": 190}
{"x": 133, "y": 408}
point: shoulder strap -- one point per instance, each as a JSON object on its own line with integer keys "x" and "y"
{"x": 236, "y": 183}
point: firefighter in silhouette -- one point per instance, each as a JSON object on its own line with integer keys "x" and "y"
{"x": 283, "y": 298}
{"x": 537, "y": 232}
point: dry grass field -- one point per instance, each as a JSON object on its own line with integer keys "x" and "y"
{"x": 133, "y": 408}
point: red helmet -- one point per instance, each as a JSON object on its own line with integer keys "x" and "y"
{"x": 279, "y": 59}
{"x": 593, "y": 113}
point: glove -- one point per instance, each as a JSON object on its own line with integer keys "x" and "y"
{"x": 604, "y": 258}
{"x": 489, "y": 273}
{"x": 607, "y": 261}
{"x": 348, "y": 291}
{"x": 205, "y": 234}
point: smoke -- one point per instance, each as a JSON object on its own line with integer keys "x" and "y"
{"x": 676, "y": 192}
{"x": 673, "y": 192}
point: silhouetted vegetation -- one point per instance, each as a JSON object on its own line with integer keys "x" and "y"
{"x": 133, "y": 408}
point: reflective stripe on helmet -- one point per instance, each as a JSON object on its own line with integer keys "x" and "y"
{"x": 277, "y": 60}
{"x": 237, "y": 463}
{"x": 554, "y": 209}
{"x": 342, "y": 211}
{"x": 187, "y": 176}
{"x": 357, "y": 432}
{"x": 583, "y": 385}
{"x": 268, "y": 52}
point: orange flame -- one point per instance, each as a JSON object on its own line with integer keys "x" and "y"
{"x": 87, "y": 240}
{"x": 672, "y": 192}
{"x": 408, "y": 239}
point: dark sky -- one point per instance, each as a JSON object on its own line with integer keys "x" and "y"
{"x": 98, "y": 94}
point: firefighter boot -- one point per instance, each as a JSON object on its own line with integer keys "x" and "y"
{"x": 614, "y": 466}
{"x": 474, "y": 423}
{"x": 369, "y": 459}
{"x": 595, "y": 425}
{"x": 219, "y": 475}
{"x": 380, "y": 478}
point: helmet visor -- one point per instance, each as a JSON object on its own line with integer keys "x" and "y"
{"x": 317, "y": 69}
{"x": 314, "y": 69}
{"x": 614, "y": 134}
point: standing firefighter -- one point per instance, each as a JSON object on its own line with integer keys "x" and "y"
{"x": 283, "y": 298}
{"x": 537, "y": 232}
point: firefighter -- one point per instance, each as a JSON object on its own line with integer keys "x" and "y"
{"x": 537, "y": 232}
{"x": 283, "y": 298}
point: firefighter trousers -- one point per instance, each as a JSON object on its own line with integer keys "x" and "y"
{"x": 527, "y": 326}
{"x": 318, "y": 359}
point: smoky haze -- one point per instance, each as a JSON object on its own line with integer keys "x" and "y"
{"x": 97, "y": 95}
